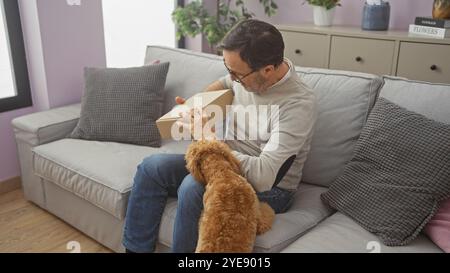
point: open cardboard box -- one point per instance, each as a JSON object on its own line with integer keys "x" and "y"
{"x": 221, "y": 98}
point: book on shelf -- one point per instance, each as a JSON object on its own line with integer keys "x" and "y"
{"x": 431, "y": 22}
{"x": 432, "y": 32}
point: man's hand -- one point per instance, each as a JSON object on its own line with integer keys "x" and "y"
{"x": 196, "y": 121}
{"x": 179, "y": 100}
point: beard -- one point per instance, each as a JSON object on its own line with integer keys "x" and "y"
{"x": 259, "y": 85}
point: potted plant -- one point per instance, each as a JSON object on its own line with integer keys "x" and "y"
{"x": 194, "y": 19}
{"x": 323, "y": 11}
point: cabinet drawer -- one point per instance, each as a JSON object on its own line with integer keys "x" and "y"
{"x": 306, "y": 49}
{"x": 425, "y": 62}
{"x": 361, "y": 54}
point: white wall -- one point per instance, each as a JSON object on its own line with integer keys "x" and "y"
{"x": 132, "y": 25}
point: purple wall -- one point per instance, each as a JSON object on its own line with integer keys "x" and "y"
{"x": 72, "y": 38}
{"x": 291, "y": 12}
{"x": 403, "y": 12}
{"x": 59, "y": 41}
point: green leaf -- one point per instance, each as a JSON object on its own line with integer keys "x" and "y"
{"x": 328, "y": 4}
{"x": 193, "y": 19}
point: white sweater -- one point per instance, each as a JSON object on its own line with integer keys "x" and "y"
{"x": 284, "y": 135}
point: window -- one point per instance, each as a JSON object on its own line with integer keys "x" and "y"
{"x": 7, "y": 86}
{"x": 14, "y": 83}
{"x": 130, "y": 26}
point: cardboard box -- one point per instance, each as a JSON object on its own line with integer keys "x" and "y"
{"x": 221, "y": 98}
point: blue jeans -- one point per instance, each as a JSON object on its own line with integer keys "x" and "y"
{"x": 160, "y": 176}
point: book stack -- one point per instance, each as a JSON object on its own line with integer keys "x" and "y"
{"x": 430, "y": 27}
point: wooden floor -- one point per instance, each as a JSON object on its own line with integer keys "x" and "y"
{"x": 24, "y": 227}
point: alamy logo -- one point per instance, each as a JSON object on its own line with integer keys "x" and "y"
{"x": 73, "y": 2}
{"x": 74, "y": 247}
{"x": 374, "y": 247}
{"x": 251, "y": 122}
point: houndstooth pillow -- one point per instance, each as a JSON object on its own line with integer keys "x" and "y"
{"x": 122, "y": 104}
{"x": 399, "y": 174}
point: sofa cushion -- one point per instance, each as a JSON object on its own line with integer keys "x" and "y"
{"x": 340, "y": 234}
{"x": 189, "y": 73}
{"x": 100, "y": 172}
{"x": 306, "y": 212}
{"x": 122, "y": 104}
{"x": 398, "y": 176}
{"x": 344, "y": 101}
{"x": 429, "y": 99}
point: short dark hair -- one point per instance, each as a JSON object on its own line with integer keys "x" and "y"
{"x": 259, "y": 43}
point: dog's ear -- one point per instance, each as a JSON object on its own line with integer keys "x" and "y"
{"x": 224, "y": 150}
{"x": 234, "y": 162}
{"x": 197, "y": 150}
{"x": 192, "y": 157}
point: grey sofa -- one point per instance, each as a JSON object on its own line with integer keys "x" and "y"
{"x": 87, "y": 183}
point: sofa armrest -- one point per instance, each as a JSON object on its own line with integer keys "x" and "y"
{"x": 36, "y": 129}
{"x": 46, "y": 126}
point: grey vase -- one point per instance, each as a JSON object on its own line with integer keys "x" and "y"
{"x": 376, "y": 17}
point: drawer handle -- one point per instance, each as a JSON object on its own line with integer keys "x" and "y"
{"x": 358, "y": 59}
{"x": 298, "y": 51}
{"x": 433, "y": 67}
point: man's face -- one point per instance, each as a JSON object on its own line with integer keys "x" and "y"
{"x": 240, "y": 71}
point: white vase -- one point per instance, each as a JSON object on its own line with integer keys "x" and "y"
{"x": 322, "y": 16}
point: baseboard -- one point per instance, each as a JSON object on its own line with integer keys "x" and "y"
{"x": 10, "y": 184}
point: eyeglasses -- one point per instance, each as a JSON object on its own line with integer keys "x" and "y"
{"x": 235, "y": 77}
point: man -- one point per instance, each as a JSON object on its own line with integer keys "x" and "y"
{"x": 272, "y": 163}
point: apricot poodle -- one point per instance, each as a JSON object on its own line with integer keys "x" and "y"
{"x": 232, "y": 214}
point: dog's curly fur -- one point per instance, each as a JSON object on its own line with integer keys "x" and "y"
{"x": 232, "y": 214}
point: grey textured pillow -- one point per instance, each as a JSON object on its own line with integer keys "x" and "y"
{"x": 399, "y": 174}
{"x": 122, "y": 104}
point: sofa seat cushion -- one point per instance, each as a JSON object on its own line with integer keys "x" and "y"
{"x": 339, "y": 233}
{"x": 344, "y": 101}
{"x": 175, "y": 147}
{"x": 100, "y": 172}
{"x": 306, "y": 212}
